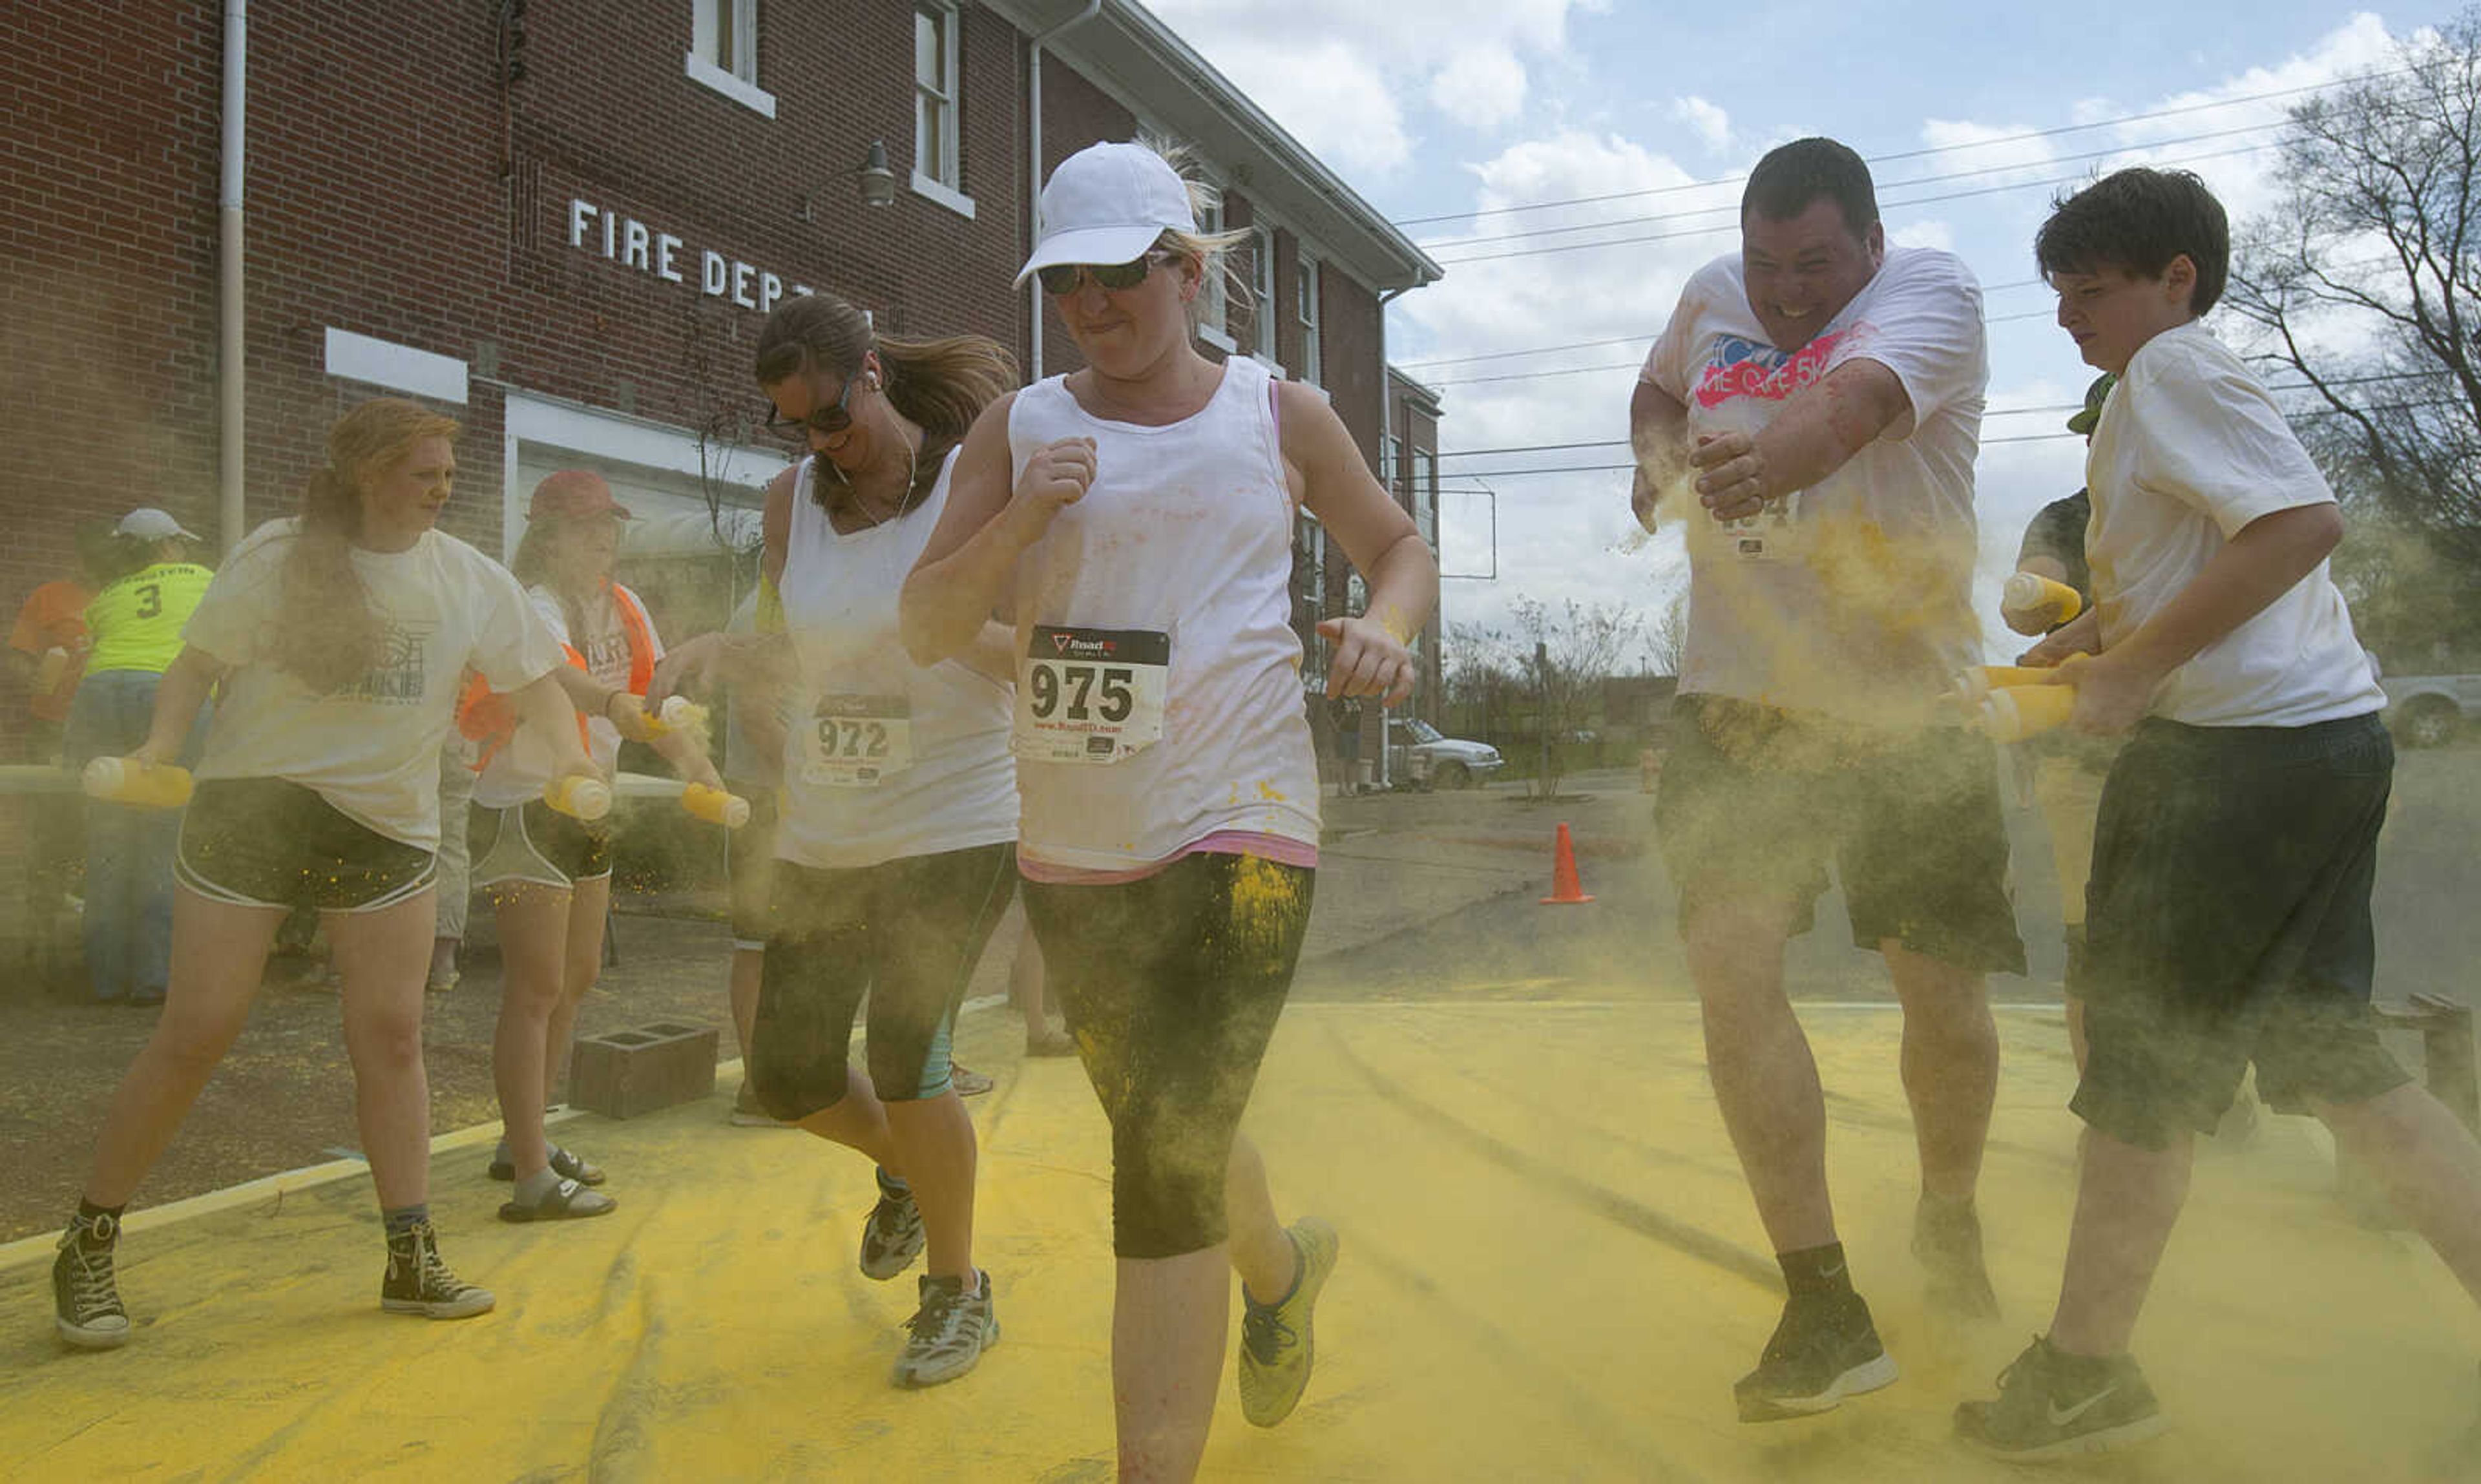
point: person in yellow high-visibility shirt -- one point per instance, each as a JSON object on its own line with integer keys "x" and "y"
{"x": 154, "y": 579}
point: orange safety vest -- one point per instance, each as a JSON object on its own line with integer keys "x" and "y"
{"x": 484, "y": 715}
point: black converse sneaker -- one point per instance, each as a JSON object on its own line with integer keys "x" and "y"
{"x": 419, "y": 1282}
{"x": 950, "y": 1332}
{"x": 2051, "y": 1405}
{"x": 86, "y": 1303}
{"x": 1824, "y": 1350}
{"x": 892, "y": 1238}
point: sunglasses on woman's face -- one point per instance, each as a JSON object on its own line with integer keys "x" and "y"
{"x": 826, "y": 423}
{"x": 1061, "y": 277}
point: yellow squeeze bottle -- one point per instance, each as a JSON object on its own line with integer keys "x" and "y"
{"x": 47, "y": 674}
{"x": 715, "y": 806}
{"x": 678, "y": 712}
{"x": 2018, "y": 712}
{"x": 128, "y": 781}
{"x": 1976, "y": 681}
{"x": 2031, "y": 593}
{"x": 580, "y": 799}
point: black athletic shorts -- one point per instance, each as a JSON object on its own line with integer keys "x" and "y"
{"x": 1757, "y": 799}
{"x": 534, "y": 842}
{"x": 271, "y": 843}
{"x": 2228, "y": 922}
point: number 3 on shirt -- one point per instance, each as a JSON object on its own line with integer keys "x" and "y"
{"x": 1090, "y": 696}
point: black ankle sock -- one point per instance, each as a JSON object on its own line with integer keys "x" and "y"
{"x": 404, "y": 1218}
{"x": 1817, "y": 1272}
{"x": 90, "y": 1215}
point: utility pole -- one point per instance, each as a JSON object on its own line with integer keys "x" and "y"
{"x": 1542, "y": 675}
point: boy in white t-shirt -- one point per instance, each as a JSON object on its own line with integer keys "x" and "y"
{"x": 2229, "y": 909}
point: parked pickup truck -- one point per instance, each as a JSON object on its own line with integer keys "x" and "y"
{"x": 1416, "y": 751}
{"x": 2428, "y": 710}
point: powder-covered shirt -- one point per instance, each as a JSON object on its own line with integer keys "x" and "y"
{"x": 1852, "y": 597}
{"x": 370, "y": 747}
{"x": 2191, "y": 449}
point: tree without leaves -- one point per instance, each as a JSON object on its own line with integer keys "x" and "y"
{"x": 2362, "y": 288}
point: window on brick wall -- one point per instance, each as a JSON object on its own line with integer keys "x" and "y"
{"x": 1305, "y": 284}
{"x": 723, "y": 51}
{"x": 1391, "y": 457}
{"x": 1425, "y": 496}
{"x": 1262, "y": 288}
{"x": 934, "y": 95}
{"x": 1215, "y": 299}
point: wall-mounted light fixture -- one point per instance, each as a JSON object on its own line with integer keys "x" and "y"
{"x": 878, "y": 183}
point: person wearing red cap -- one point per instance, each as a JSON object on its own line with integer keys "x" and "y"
{"x": 549, "y": 875}
{"x": 1134, "y": 519}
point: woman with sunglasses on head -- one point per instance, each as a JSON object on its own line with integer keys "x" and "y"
{"x": 895, "y": 831}
{"x": 549, "y": 875}
{"x": 1135, "y": 520}
{"x": 338, "y": 637}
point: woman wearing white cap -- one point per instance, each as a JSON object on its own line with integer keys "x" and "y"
{"x": 338, "y": 637}
{"x": 134, "y": 630}
{"x": 549, "y": 875}
{"x": 1134, "y": 520}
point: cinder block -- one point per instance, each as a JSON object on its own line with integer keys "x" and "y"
{"x": 621, "y": 1074}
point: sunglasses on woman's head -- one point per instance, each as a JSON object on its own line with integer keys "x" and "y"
{"x": 1061, "y": 277}
{"x": 826, "y": 423}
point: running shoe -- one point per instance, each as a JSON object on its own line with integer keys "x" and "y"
{"x": 892, "y": 1238}
{"x": 968, "y": 1082}
{"x": 419, "y": 1282}
{"x": 1947, "y": 1240}
{"x": 1277, "y": 1340}
{"x": 85, "y": 1302}
{"x": 565, "y": 1201}
{"x": 2054, "y": 1406}
{"x": 948, "y": 1332}
{"x": 1824, "y": 1350}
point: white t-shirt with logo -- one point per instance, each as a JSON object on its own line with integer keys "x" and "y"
{"x": 2190, "y": 448}
{"x": 371, "y": 748}
{"x": 521, "y": 770}
{"x": 1852, "y": 597}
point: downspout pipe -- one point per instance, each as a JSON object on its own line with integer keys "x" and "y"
{"x": 1034, "y": 170}
{"x": 1386, "y": 429}
{"x": 230, "y": 382}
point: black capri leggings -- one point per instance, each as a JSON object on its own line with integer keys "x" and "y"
{"x": 1173, "y": 984}
{"x": 907, "y": 933}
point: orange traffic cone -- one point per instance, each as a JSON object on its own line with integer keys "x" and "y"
{"x": 1565, "y": 888}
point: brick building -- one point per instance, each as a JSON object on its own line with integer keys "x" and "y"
{"x": 562, "y": 222}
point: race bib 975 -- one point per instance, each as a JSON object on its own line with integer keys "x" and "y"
{"x": 1090, "y": 696}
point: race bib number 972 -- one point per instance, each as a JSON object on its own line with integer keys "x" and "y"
{"x": 1090, "y": 696}
{"x": 855, "y": 741}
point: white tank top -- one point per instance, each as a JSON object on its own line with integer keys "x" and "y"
{"x": 882, "y": 759}
{"x": 1180, "y": 551}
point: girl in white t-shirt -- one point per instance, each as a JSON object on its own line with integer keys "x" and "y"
{"x": 549, "y": 875}
{"x": 897, "y": 825}
{"x": 1135, "y": 520}
{"x": 337, "y": 637}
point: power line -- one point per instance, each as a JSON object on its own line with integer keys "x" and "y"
{"x": 1923, "y": 153}
{"x": 1733, "y": 226}
{"x": 1732, "y": 209}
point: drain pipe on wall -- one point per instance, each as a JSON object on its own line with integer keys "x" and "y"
{"x": 230, "y": 400}
{"x": 1033, "y": 176}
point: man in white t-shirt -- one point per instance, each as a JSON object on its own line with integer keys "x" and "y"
{"x": 1811, "y": 415}
{"x": 2227, "y": 919}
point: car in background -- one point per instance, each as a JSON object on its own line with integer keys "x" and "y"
{"x": 2427, "y": 711}
{"x": 1416, "y": 752}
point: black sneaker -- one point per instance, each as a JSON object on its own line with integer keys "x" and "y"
{"x": 1824, "y": 1350}
{"x": 892, "y": 1238}
{"x": 85, "y": 1302}
{"x": 950, "y": 1332}
{"x": 419, "y": 1282}
{"x": 2054, "y": 1406}
{"x": 1947, "y": 1240}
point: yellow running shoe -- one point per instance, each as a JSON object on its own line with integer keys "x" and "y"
{"x": 1276, "y": 1341}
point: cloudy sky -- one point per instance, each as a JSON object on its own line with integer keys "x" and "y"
{"x": 1484, "y": 105}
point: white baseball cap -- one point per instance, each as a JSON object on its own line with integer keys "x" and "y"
{"x": 1106, "y": 204}
{"x": 149, "y": 524}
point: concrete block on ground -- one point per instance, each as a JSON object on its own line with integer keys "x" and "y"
{"x": 621, "y": 1074}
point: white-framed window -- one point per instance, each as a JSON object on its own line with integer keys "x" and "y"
{"x": 1215, "y": 298}
{"x": 1425, "y": 496}
{"x": 1391, "y": 457}
{"x": 938, "y": 158}
{"x": 1305, "y": 286}
{"x": 723, "y": 51}
{"x": 1262, "y": 288}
